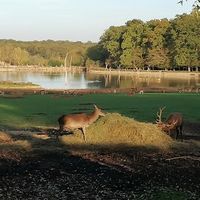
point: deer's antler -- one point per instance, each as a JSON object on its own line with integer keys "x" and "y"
{"x": 159, "y": 115}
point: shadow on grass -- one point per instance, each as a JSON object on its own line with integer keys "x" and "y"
{"x": 112, "y": 148}
{"x": 36, "y": 141}
{"x": 39, "y": 141}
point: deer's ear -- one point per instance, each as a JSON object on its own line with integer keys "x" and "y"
{"x": 95, "y": 106}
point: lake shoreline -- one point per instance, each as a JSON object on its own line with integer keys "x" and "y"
{"x": 156, "y": 74}
{"x": 102, "y": 80}
{"x": 75, "y": 92}
{"x": 160, "y": 73}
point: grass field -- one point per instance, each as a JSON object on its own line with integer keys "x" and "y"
{"x": 44, "y": 110}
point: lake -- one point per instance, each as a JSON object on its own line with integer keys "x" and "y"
{"x": 85, "y": 81}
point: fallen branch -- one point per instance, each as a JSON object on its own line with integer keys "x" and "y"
{"x": 184, "y": 157}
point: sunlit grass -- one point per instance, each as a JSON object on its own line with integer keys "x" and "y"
{"x": 44, "y": 110}
{"x": 6, "y": 142}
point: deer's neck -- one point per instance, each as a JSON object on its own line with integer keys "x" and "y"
{"x": 93, "y": 117}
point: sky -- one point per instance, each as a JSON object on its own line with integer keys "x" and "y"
{"x": 78, "y": 20}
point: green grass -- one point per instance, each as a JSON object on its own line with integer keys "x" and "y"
{"x": 44, "y": 110}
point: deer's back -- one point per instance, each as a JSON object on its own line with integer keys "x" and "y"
{"x": 176, "y": 118}
{"x": 73, "y": 121}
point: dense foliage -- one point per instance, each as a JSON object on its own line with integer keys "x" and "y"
{"x": 157, "y": 44}
{"x": 43, "y": 53}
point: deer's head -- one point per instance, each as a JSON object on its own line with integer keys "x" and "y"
{"x": 165, "y": 126}
{"x": 99, "y": 111}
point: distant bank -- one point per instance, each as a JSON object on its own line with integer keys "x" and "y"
{"x": 102, "y": 71}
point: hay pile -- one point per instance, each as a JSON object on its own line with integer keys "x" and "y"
{"x": 114, "y": 129}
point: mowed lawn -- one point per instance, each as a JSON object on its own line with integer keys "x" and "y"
{"x": 44, "y": 110}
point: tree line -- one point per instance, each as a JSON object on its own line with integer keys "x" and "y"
{"x": 156, "y": 44}
{"x": 43, "y": 53}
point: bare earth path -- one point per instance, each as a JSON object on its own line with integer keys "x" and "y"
{"x": 59, "y": 176}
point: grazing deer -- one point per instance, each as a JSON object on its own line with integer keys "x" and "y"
{"x": 79, "y": 121}
{"x": 173, "y": 122}
{"x": 141, "y": 92}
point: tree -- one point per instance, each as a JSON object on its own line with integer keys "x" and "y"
{"x": 157, "y": 52}
{"x": 158, "y": 57}
{"x": 97, "y": 53}
{"x": 19, "y": 56}
{"x": 132, "y": 49}
{"x": 111, "y": 41}
{"x": 186, "y": 42}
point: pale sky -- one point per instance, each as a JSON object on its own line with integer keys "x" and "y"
{"x": 78, "y": 20}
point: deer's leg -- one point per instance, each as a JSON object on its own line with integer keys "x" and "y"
{"x": 61, "y": 127}
{"x": 83, "y": 131}
{"x": 177, "y": 132}
{"x": 181, "y": 132}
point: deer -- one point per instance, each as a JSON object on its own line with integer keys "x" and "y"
{"x": 173, "y": 122}
{"x": 81, "y": 121}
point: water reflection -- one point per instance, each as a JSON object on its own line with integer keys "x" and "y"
{"x": 82, "y": 81}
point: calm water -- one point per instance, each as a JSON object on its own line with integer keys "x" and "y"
{"x": 83, "y": 81}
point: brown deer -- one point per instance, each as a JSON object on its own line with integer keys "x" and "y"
{"x": 79, "y": 121}
{"x": 173, "y": 122}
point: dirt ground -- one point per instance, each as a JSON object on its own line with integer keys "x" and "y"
{"x": 63, "y": 176}
{"x": 130, "y": 91}
{"x": 58, "y": 173}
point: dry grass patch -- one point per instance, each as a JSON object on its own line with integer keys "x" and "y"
{"x": 10, "y": 84}
{"x": 5, "y": 138}
{"x": 117, "y": 131}
{"x": 12, "y": 149}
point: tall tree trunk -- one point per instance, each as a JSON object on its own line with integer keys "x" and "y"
{"x": 65, "y": 61}
{"x": 70, "y": 63}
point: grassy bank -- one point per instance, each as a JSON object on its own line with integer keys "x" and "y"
{"x": 145, "y": 73}
{"x": 14, "y": 85}
{"x": 44, "y": 110}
